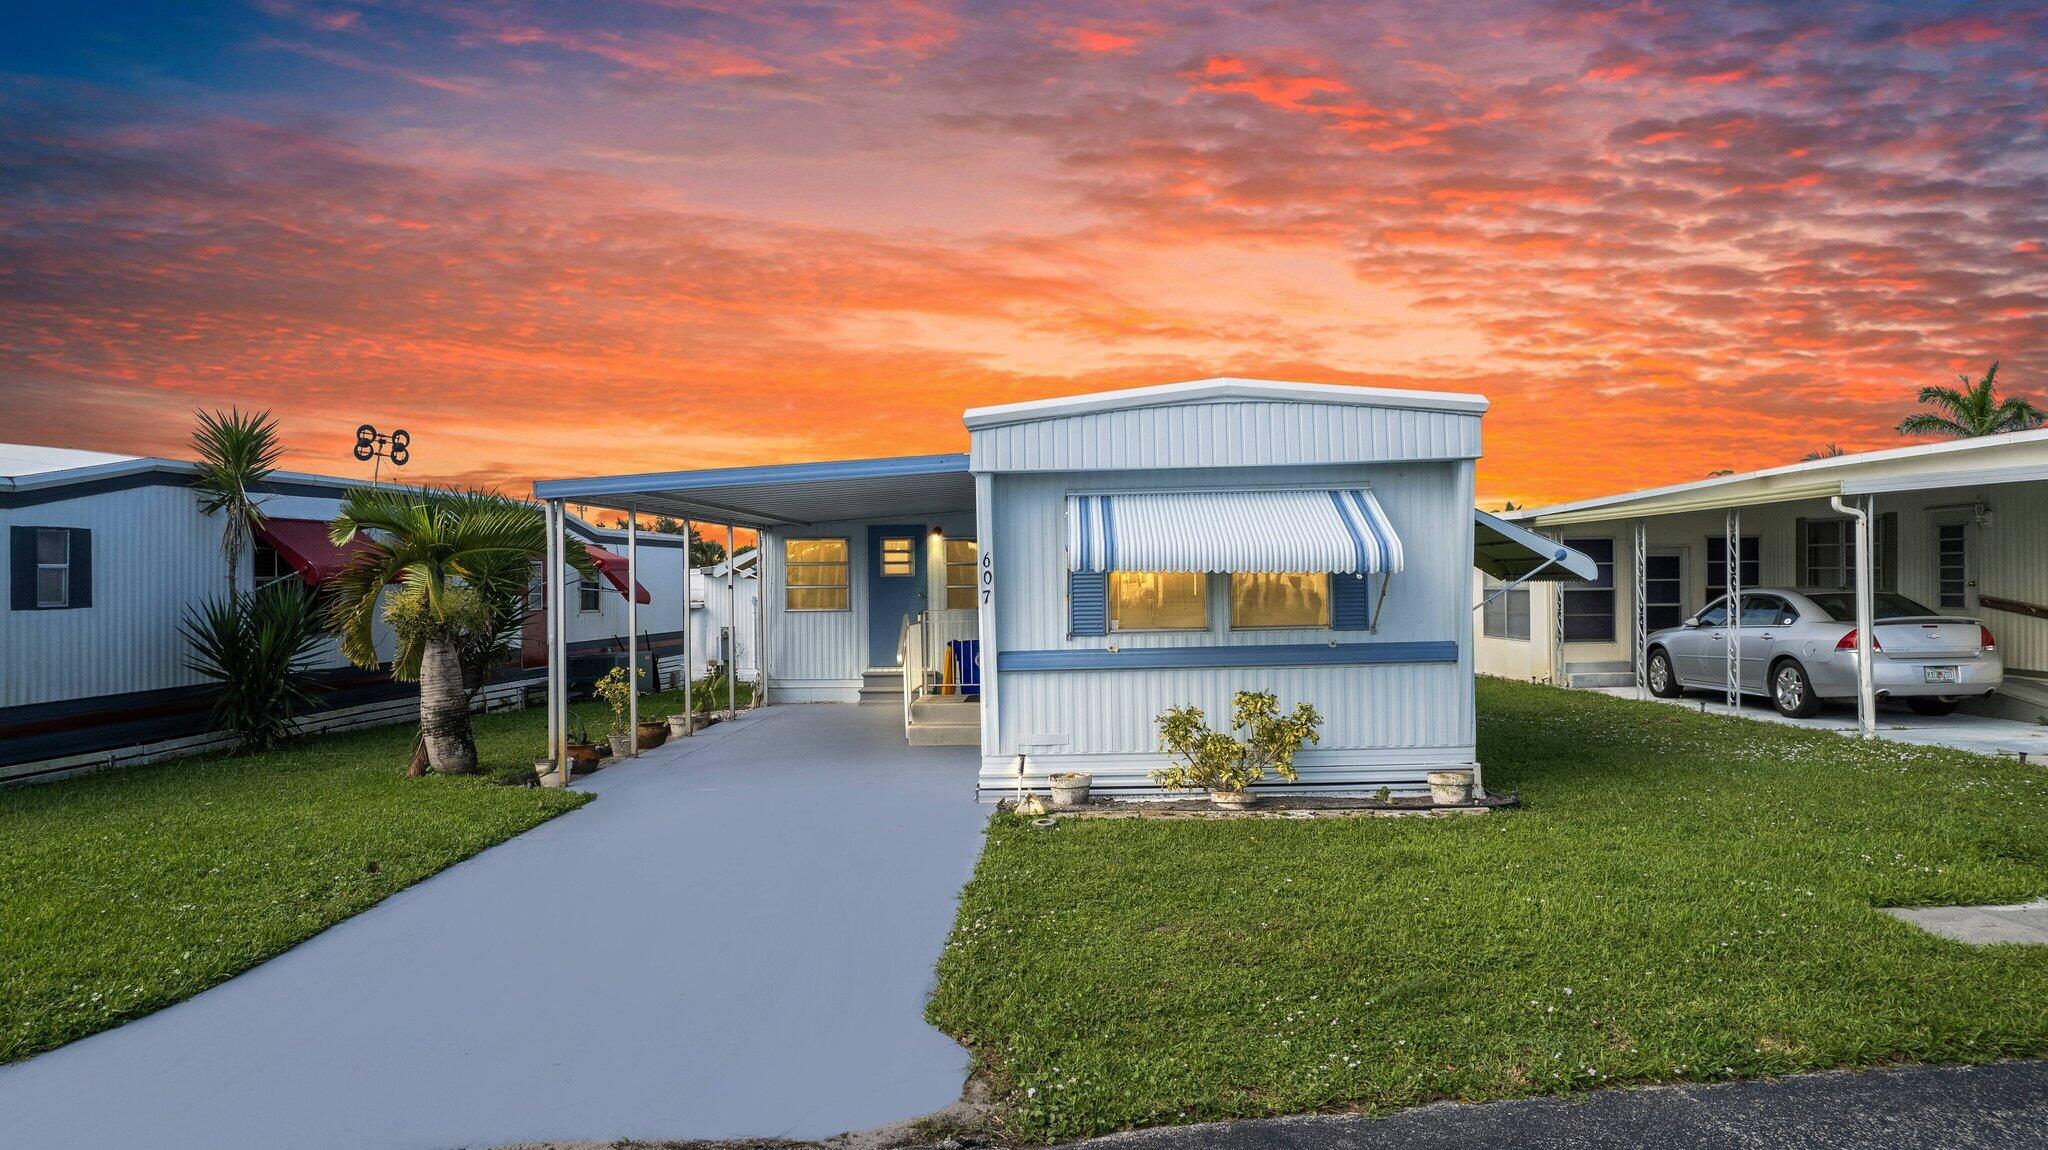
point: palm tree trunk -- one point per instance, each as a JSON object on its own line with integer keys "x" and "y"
{"x": 444, "y": 710}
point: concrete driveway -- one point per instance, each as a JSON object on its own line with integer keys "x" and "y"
{"x": 736, "y": 939}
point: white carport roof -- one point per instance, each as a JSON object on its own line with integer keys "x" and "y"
{"x": 2014, "y": 457}
{"x": 783, "y": 496}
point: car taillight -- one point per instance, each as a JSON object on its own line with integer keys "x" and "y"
{"x": 1848, "y": 642}
{"x": 1984, "y": 638}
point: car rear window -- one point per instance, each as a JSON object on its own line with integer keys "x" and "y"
{"x": 1841, "y": 606}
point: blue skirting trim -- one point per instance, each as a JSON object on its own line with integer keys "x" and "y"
{"x": 1245, "y": 655}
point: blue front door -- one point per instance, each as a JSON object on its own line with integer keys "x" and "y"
{"x": 895, "y": 587}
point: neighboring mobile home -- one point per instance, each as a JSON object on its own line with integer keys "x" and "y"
{"x": 107, "y": 553}
{"x": 1961, "y": 527}
{"x": 1095, "y": 560}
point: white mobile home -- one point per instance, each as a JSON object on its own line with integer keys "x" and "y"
{"x": 1961, "y": 527}
{"x": 107, "y": 553}
{"x": 1098, "y": 559}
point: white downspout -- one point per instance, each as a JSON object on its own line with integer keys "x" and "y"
{"x": 1866, "y": 693}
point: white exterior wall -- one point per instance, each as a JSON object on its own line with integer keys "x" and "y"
{"x": 1383, "y": 723}
{"x": 154, "y": 556}
{"x": 2009, "y": 554}
{"x": 709, "y": 616}
{"x": 660, "y": 571}
{"x": 818, "y": 656}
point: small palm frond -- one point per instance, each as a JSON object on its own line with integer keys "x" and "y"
{"x": 236, "y": 452}
{"x": 1972, "y": 410}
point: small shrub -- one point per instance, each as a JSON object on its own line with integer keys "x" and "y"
{"x": 616, "y": 689}
{"x": 1219, "y": 761}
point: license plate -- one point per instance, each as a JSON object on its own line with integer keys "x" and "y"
{"x": 1941, "y": 674}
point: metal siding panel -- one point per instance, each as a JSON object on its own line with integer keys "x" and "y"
{"x": 1429, "y": 503}
{"x": 1232, "y": 434}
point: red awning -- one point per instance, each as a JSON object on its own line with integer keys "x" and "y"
{"x": 613, "y": 568}
{"x": 307, "y": 546}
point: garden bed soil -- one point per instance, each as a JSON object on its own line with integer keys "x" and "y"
{"x": 1273, "y": 806}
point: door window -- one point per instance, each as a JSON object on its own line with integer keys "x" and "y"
{"x": 899, "y": 557}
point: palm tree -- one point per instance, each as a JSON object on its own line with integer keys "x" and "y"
{"x": 1828, "y": 451}
{"x": 236, "y": 453}
{"x": 457, "y": 554}
{"x": 1973, "y": 410}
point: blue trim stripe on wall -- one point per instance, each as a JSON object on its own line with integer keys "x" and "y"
{"x": 1243, "y": 655}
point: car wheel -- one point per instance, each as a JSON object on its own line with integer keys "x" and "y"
{"x": 1791, "y": 691}
{"x": 1930, "y": 705}
{"x": 1663, "y": 680}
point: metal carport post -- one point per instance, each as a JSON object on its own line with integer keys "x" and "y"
{"x": 1642, "y": 611}
{"x": 558, "y": 641}
{"x": 633, "y": 625}
{"x": 1731, "y": 561}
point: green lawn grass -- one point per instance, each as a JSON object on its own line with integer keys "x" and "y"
{"x": 121, "y": 893}
{"x": 1683, "y": 897}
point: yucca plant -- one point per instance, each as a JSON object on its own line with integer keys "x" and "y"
{"x": 257, "y": 647}
{"x": 1972, "y": 410}
{"x": 236, "y": 453}
{"x": 458, "y": 555}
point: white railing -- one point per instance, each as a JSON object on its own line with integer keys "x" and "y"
{"x": 910, "y": 656}
{"x": 928, "y": 644}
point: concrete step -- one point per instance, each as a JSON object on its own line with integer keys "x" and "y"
{"x": 2020, "y": 698}
{"x": 946, "y": 709}
{"x": 1600, "y": 666}
{"x": 1600, "y": 678}
{"x": 882, "y": 685}
{"x": 944, "y": 734}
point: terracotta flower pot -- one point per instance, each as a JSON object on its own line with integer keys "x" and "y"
{"x": 1070, "y": 788}
{"x": 652, "y": 734}
{"x": 583, "y": 757}
{"x": 1450, "y": 788}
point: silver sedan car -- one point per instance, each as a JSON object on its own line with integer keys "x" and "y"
{"x": 1799, "y": 648}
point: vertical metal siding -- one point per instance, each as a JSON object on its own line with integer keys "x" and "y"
{"x": 1226, "y": 434}
{"x": 1368, "y": 707}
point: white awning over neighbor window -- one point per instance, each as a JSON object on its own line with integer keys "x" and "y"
{"x": 1342, "y": 531}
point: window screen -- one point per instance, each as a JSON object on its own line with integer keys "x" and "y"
{"x": 814, "y": 575}
{"x": 1271, "y": 600}
{"x": 1506, "y": 615}
{"x": 1157, "y": 601}
{"x": 962, "y": 574}
{"x": 1752, "y": 569}
{"x": 53, "y": 567}
{"x": 1589, "y": 606}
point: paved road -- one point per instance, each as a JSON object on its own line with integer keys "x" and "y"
{"x": 737, "y": 938}
{"x": 1998, "y": 1107}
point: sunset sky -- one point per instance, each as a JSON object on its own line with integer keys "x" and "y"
{"x": 559, "y": 239}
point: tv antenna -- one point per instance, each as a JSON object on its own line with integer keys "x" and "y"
{"x": 374, "y": 448}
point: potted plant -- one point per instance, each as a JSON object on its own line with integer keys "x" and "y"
{"x": 1450, "y": 788}
{"x": 1070, "y": 788}
{"x": 616, "y": 689}
{"x": 583, "y": 753}
{"x": 679, "y": 724}
{"x": 1222, "y": 763}
{"x": 653, "y": 733}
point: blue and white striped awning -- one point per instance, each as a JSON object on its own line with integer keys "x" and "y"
{"x": 1343, "y": 531}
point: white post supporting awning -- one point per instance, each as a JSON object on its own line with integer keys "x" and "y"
{"x": 551, "y": 606}
{"x": 1866, "y": 689}
{"x": 558, "y": 639}
{"x": 1732, "y": 560}
{"x": 633, "y": 626}
{"x": 1640, "y": 646}
{"x": 732, "y": 633}
{"x": 689, "y": 653}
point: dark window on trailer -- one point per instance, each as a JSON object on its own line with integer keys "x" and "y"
{"x": 587, "y": 596}
{"x": 1951, "y": 566}
{"x": 1506, "y": 615}
{"x": 50, "y": 568}
{"x": 1751, "y": 570}
{"x": 1664, "y": 590}
{"x": 268, "y": 564}
{"x": 1589, "y": 606}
